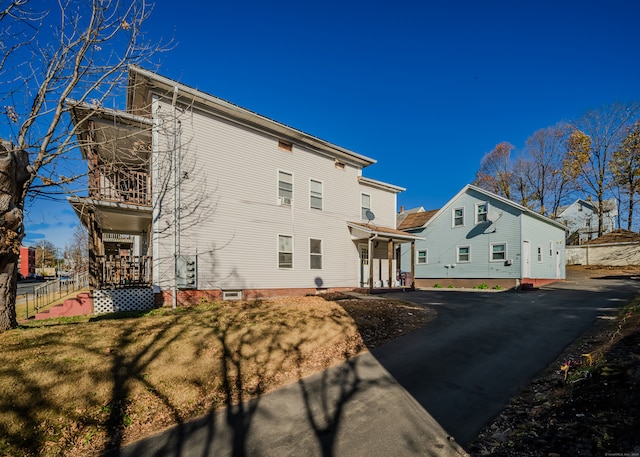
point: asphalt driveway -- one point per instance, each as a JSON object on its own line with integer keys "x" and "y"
{"x": 424, "y": 394}
{"x": 464, "y": 366}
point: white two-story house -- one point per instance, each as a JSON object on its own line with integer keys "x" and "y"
{"x": 191, "y": 196}
{"x": 581, "y": 219}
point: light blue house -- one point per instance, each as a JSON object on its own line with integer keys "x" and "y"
{"x": 481, "y": 238}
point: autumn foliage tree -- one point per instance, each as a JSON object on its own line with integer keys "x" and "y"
{"x": 595, "y": 137}
{"x": 547, "y": 168}
{"x": 51, "y": 52}
{"x": 495, "y": 172}
{"x": 625, "y": 167}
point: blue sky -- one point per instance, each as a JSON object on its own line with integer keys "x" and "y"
{"x": 425, "y": 88}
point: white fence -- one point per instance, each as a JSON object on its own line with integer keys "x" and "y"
{"x": 612, "y": 254}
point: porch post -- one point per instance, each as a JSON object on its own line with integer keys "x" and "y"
{"x": 390, "y": 260}
{"x": 413, "y": 263}
{"x": 370, "y": 264}
{"x": 93, "y": 263}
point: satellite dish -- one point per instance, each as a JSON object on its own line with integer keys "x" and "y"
{"x": 493, "y": 217}
{"x": 370, "y": 215}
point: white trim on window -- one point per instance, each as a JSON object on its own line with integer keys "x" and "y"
{"x": 285, "y": 252}
{"x": 481, "y": 216}
{"x": 498, "y": 255}
{"x": 285, "y": 188}
{"x": 365, "y": 205}
{"x": 457, "y": 217}
{"x": 315, "y": 194}
{"x": 551, "y": 248}
{"x": 422, "y": 257}
{"x": 462, "y": 252}
{"x": 315, "y": 254}
{"x": 539, "y": 254}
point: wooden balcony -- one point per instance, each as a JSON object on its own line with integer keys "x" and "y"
{"x": 120, "y": 185}
{"x": 123, "y": 271}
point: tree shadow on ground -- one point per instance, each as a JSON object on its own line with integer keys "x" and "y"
{"x": 115, "y": 359}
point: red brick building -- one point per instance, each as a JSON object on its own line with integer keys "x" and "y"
{"x": 27, "y": 261}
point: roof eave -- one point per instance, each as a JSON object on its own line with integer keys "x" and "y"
{"x": 163, "y": 86}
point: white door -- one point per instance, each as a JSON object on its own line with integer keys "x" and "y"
{"x": 526, "y": 259}
{"x": 363, "y": 250}
{"x": 558, "y": 266}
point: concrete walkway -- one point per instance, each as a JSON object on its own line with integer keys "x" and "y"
{"x": 355, "y": 409}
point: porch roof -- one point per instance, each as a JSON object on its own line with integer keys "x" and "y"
{"x": 360, "y": 230}
{"x": 112, "y": 216}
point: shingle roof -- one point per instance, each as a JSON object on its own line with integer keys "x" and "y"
{"x": 416, "y": 220}
{"x": 384, "y": 231}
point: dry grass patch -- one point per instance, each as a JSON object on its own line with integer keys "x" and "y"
{"x": 80, "y": 386}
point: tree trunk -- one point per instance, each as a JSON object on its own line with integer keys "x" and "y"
{"x": 13, "y": 177}
{"x": 600, "y": 215}
{"x": 630, "y": 221}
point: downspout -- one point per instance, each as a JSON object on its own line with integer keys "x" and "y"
{"x": 174, "y": 299}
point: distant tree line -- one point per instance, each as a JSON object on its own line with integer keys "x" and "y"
{"x": 597, "y": 156}
{"x": 74, "y": 258}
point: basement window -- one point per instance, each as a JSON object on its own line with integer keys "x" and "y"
{"x": 232, "y": 295}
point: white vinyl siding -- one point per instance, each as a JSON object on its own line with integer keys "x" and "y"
{"x": 240, "y": 221}
{"x": 285, "y": 251}
{"x": 315, "y": 254}
{"x": 315, "y": 194}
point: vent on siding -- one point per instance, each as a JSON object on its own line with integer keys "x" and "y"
{"x": 285, "y": 145}
{"x": 339, "y": 165}
{"x": 232, "y": 295}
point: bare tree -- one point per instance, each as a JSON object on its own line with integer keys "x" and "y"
{"x": 625, "y": 166}
{"x": 594, "y": 139}
{"x": 80, "y": 50}
{"x": 495, "y": 172}
{"x": 520, "y": 181}
{"x": 75, "y": 253}
{"x": 547, "y": 169}
{"x": 45, "y": 254}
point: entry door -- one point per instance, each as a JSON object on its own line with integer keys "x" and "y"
{"x": 526, "y": 259}
{"x": 363, "y": 250}
{"x": 558, "y": 266}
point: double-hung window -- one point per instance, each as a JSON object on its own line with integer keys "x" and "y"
{"x": 365, "y": 206}
{"x": 315, "y": 194}
{"x": 422, "y": 258}
{"x": 498, "y": 252}
{"x": 315, "y": 254}
{"x": 464, "y": 254}
{"x": 285, "y": 188}
{"x": 482, "y": 210}
{"x": 285, "y": 251}
{"x": 458, "y": 217}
